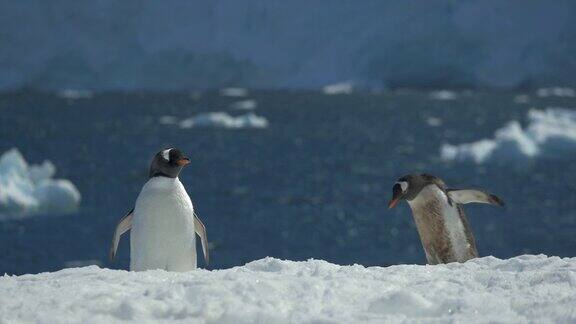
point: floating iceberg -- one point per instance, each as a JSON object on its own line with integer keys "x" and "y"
{"x": 550, "y": 133}
{"x": 168, "y": 120}
{"x": 224, "y": 120}
{"x": 556, "y": 92}
{"x": 338, "y": 88}
{"x": 74, "y": 94}
{"x": 249, "y": 104}
{"x": 443, "y": 95}
{"x": 234, "y": 92}
{"x": 527, "y": 288}
{"x": 522, "y": 99}
{"x": 29, "y": 189}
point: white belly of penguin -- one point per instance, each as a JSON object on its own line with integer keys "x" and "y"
{"x": 450, "y": 216}
{"x": 162, "y": 235}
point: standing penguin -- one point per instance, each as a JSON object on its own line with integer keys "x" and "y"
{"x": 439, "y": 215}
{"x": 163, "y": 221}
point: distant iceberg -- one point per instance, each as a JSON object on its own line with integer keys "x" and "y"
{"x": 338, "y": 88}
{"x": 556, "y": 92}
{"x": 249, "y": 104}
{"x": 29, "y": 189}
{"x": 234, "y": 92}
{"x": 443, "y": 95}
{"x": 218, "y": 120}
{"x": 550, "y": 133}
{"x": 74, "y": 94}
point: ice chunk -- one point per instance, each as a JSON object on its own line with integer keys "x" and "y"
{"x": 478, "y": 151}
{"x": 434, "y": 121}
{"x": 168, "y": 120}
{"x": 75, "y": 94}
{"x": 249, "y": 104}
{"x": 234, "y": 92}
{"x": 443, "y": 95}
{"x": 338, "y": 88}
{"x": 556, "y": 92}
{"x": 29, "y": 189}
{"x": 521, "y": 99}
{"x": 550, "y": 134}
{"x": 224, "y": 120}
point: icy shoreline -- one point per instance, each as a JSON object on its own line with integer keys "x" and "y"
{"x": 524, "y": 288}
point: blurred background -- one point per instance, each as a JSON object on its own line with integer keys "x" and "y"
{"x": 299, "y": 116}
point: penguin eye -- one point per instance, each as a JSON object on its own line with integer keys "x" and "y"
{"x": 403, "y": 185}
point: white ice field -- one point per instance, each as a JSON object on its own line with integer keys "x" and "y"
{"x": 526, "y": 288}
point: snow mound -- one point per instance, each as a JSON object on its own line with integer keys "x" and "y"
{"x": 338, "y": 88}
{"x": 522, "y": 289}
{"x": 29, "y": 189}
{"x": 223, "y": 120}
{"x": 550, "y": 133}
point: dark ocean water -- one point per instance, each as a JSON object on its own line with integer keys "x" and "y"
{"x": 313, "y": 185}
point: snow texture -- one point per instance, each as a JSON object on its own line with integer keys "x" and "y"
{"x": 527, "y": 288}
{"x": 550, "y": 133}
{"x": 148, "y": 44}
{"x": 29, "y": 189}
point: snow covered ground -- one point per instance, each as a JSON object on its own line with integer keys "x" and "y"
{"x": 219, "y": 120}
{"x": 521, "y": 289}
{"x": 30, "y": 189}
{"x": 550, "y": 133}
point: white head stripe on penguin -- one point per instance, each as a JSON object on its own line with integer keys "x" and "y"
{"x": 166, "y": 154}
{"x": 403, "y": 185}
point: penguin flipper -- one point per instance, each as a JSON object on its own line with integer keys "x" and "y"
{"x": 465, "y": 196}
{"x": 124, "y": 225}
{"x": 201, "y": 231}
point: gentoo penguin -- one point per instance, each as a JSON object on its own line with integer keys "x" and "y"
{"x": 163, "y": 221}
{"x": 439, "y": 215}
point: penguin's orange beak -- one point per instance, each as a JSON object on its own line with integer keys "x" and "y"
{"x": 396, "y": 195}
{"x": 183, "y": 161}
{"x": 393, "y": 202}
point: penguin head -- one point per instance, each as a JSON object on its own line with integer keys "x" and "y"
{"x": 409, "y": 186}
{"x": 168, "y": 163}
